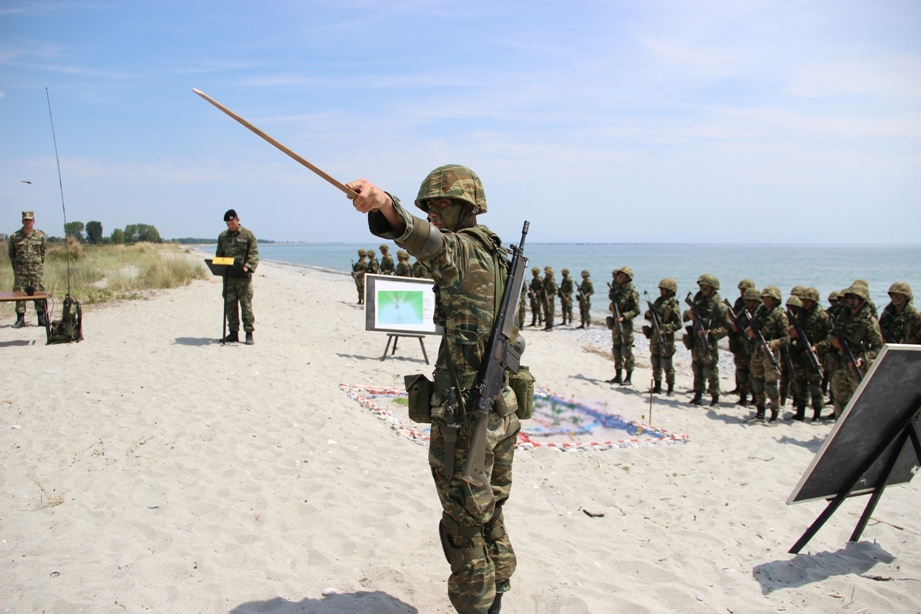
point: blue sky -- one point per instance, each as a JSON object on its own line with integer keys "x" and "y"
{"x": 616, "y": 121}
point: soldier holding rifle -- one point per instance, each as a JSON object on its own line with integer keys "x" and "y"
{"x": 468, "y": 265}
{"x": 708, "y": 324}
{"x": 855, "y": 342}
{"x": 665, "y": 317}
{"x": 809, "y": 330}
{"x": 625, "y": 305}
{"x": 767, "y": 330}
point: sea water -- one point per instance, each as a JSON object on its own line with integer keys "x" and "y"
{"x": 824, "y": 267}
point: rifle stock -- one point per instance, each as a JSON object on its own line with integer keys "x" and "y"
{"x": 501, "y": 356}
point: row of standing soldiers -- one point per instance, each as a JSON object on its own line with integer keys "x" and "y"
{"x": 369, "y": 264}
{"x": 801, "y": 350}
{"x": 542, "y": 293}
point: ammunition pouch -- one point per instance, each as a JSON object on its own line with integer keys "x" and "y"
{"x": 687, "y": 340}
{"x": 420, "y": 389}
{"x": 522, "y": 384}
{"x": 609, "y": 322}
{"x": 460, "y": 544}
{"x": 647, "y": 332}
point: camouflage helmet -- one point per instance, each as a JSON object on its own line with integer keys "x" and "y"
{"x": 797, "y": 291}
{"x": 773, "y": 292}
{"x": 565, "y": 272}
{"x": 402, "y": 255}
{"x": 834, "y": 295}
{"x": 858, "y": 290}
{"x": 794, "y": 301}
{"x": 455, "y": 182}
{"x": 709, "y": 280}
{"x": 901, "y": 287}
{"x": 669, "y": 284}
{"x": 752, "y": 294}
{"x": 384, "y": 248}
{"x": 745, "y": 284}
{"x": 810, "y": 294}
{"x": 548, "y": 270}
{"x": 626, "y": 271}
{"x": 362, "y": 253}
{"x": 585, "y": 273}
{"x": 370, "y": 253}
{"x": 535, "y": 270}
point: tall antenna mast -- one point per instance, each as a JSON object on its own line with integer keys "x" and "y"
{"x": 61, "y": 184}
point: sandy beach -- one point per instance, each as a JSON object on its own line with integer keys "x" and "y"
{"x": 150, "y": 468}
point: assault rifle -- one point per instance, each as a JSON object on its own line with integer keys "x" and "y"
{"x": 760, "y": 338}
{"x": 735, "y": 318}
{"x": 655, "y": 320}
{"x": 617, "y": 323}
{"x": 698, "y": 324}
{"x": 501, "y": 356}
{"x": 846, "y": 350}
{"x": 803, "y": 341}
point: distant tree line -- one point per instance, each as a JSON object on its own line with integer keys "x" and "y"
{"x": 92, "y": 233}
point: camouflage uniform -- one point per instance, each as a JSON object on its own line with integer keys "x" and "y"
{"x": 373, "y": 267}
{"x": 660, "y": 355}
{"x": 419, "y": 270}
{"x": 27, "y": 256}
{"x": 741, "y": 348}
{"x": 239, "y": 285}
{"x": 705, "y": 365}
{"x": 566, "y": 288}
{"x": 463, "y": 265}
{"x": 861, "y": 330}
{"x": 807, "y": 380}
{"x": 586, "y": 290}
{"x": 627, "y": 299}
{"x": 358, "y": 274}
{"x": 775, "y": 330}
{"x": 900, "y": 325}
{"x": 403, "y": 268}
{"x": 536, "y": 294}
{"x": 387, "y": 267}
{"x": 550, "y": 290}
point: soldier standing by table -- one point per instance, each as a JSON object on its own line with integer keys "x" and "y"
{"x": 586, "y": 290}
{"x": 238, "y": 243}
{"x": 27, "y": 255}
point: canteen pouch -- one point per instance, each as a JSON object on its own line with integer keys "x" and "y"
{"x": 647, "y": 332}
{"x": 686, "y": 339}
{"x": 609, "y": 322}
{"x": 522, "y": 383}
{"x": 419, "y": 388}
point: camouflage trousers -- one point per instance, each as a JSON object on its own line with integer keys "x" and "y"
{"x": 764, "y": 378}
{"x": 742, "y": 361}
{"x": 239, "y": 291}
{"x": 472, "y": 529}
{"x": 585, "y": 313}
{"x": 843, "y": 384}
{"x": 360, "y": 286}
{"x": 537, "y": 315}
{"x": 807, "y": 382}
{"x": 20, "y": 281}
{"x": 661, "y": 359}
{"x": 566, "y": 309}
{"x": 549, "y": 311}
{"x": 622, "y": 347}
{"x": 705, "y": 366}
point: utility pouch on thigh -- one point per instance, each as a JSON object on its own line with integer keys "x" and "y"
{"x": 420, "y": 389}
{"x": 522, "y": 383}
{"x": 686, "y": 339}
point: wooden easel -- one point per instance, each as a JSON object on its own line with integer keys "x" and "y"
{"x": 394, "y": 338}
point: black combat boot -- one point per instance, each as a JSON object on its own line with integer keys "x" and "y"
{"x": 816, "y": 414}
{"x": 233, "y": 337}
{"x": 20, "y": 320}
{"x": 714, "y": 400}
{"x": 42, "y": 319}
{"x": 628, "y": 381}
{"x": 617, "y": 379}
{"x": 774, "y": 413}
{"x": 800, "y": 414}
{"x": 759, "y": 413}
{"x": 743, "y": 399}
{"x": 496, "y": 606}
{"x": 249, "y": 339}
{"x": 657, "y": 387}
{"x": 670, "y": 391}
{"x": 696, "y": 400}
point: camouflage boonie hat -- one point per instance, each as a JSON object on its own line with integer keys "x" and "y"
{"x": 745, "y": 284}
{"x": 857, "y": 290}
{"x": 384, "y": 247}
{"x": 798, "y": 291}
{"x": 455, "y": 182}
{"x": 794, "y": 301}
{"x": 773, "y": 292}
{"x": 669, "y": 284}
{"x": 565, "y": 272}
{"x": 548, "y": 270}
{"x": 28, "y": 215}
{"x": 362, "y": 252}
{"x": 535, "y": 270}
{"x": 752, "y": 294}
{"x": 901, "y": 287}
{"x": 585, "y": 273}
{"x": 810, "y": 294}
{"x": 709, "y": 280}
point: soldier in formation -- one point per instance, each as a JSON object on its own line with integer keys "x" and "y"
{"x": 810, "y": 327}
{"x": 565, "y": 292}
{"x": 665, "y": 319}
{"x": 900, "y": 322}
{"x": 854, "y": 342}
{"x": 240, "y": 244}
{"x": 550, "y": 290}
{"x": 768, "y": 331}
{"x": 373, "y": 266}
{"x": 387, "y": 266}
{"x": 358, "y": 274}
{"x": 403, "y": 267}
{"x": 536, "y": 296}
{"x": 625, "y": 305}
{"x": 586, "y": 290}
{"x": 740, "y": 347}
{"x": 707, "y": 317}
{"x": 26, "y": 248}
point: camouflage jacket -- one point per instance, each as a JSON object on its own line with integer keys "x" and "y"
{"x": 536, "y": 288}
{"x": 669, "y": 314}
{"x": 901, "y": 327}
{"x": 713, "y": 313}
{"x": 861, "y": 330}
{"x": 419, "y": 271}
{"x": 404, "y": 270}
{"x": 360, "y": 268}
{"x": 27, "y": 252}
{"x": 465, "y": 274}
{"x": 373, "y": 266}
{"x": 566, "y": 286}
{"x": 550, "y": 286}
{"x": 627, "y": 299}
{"x": 240, "y": 244}
{"x": 586, "y": 289}
{"x": 817, "y": 326}
{"x": 774, "y": 326}
{"x": 387, "y": 267}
